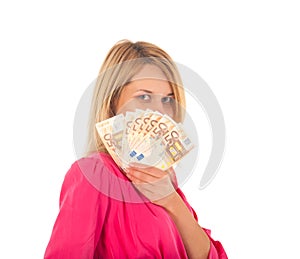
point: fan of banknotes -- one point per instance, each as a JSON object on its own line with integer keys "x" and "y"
{"x": 146, "y": 137}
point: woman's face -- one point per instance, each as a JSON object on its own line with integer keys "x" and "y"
{"x": 153, "y": 93}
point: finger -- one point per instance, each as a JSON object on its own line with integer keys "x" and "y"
{"x": 133, "y": 179}
{"x": 142, "y": 176}
{"x": 155, "y": 191}
{"x": 150, "y": 170}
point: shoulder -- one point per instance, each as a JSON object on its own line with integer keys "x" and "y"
{"x": 91, "y": 166}
{"x": 86, "y": 176}
{"x": 99, "y": 172}
{"x": 95, "y": 159}
{"x": 88, "y": 170}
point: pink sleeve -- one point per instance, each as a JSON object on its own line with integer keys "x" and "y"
{"x": 78, "y": 225}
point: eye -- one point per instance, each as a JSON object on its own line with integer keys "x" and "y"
{"x": 144, "y": 97}
{"x": 167, "y": 100}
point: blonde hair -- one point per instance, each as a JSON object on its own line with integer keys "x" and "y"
{"x": 124, "y": 60}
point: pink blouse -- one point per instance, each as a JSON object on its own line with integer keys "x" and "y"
{"x": 102, "y": 215}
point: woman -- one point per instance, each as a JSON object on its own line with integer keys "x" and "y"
{"x": 107, "y": 212}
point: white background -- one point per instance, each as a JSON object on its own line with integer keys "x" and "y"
{"x": 247, "y": 52}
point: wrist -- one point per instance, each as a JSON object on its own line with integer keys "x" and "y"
{"x": 170, "y": 202}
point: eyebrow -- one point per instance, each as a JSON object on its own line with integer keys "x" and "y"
{"x": 150, "y": 92}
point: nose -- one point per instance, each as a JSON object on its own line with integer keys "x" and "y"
{"x": 158, "y": 105}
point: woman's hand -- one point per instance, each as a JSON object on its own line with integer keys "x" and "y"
{"x": 157, "y": 185}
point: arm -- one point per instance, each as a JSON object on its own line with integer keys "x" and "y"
{"x": 157, "y": 186}
{"x": 78, "y": 225}
{"x": 196, "y": 241}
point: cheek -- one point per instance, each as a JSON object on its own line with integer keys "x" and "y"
{"x": 125, "y": 104}
{"x": 170, "y": 111}
{"x": 121, "y": 101}
{"x": 118, "y": 103}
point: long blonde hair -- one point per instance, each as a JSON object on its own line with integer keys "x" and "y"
{"x": 124, "y": 60}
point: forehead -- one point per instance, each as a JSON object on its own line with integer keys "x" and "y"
{"x": 149, "y": 78}
{"x": 155, "y": 86}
